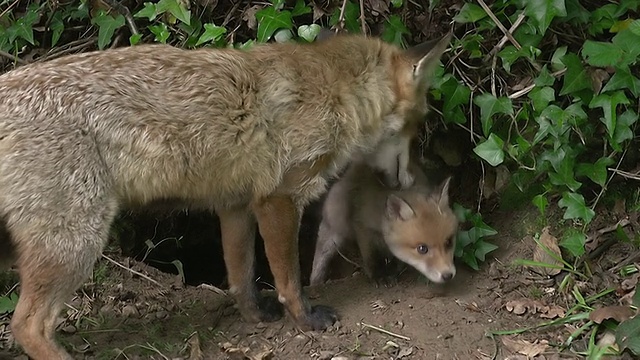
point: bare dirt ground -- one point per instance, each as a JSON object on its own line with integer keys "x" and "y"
{"x": 121, "y": 315}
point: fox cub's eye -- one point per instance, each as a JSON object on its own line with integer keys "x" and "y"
{"x": 422, "y": 249}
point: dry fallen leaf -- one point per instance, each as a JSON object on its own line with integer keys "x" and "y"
{"x": 524, "y": 305}
{"x": 540, "y": 254}
{"x": 616, "y": 312}
{"x": 193, "y": 342}
{"x": 553, "y": 312}
{"x": 525, "y": 347}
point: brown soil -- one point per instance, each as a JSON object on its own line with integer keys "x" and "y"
{"x": 122, "y": 315}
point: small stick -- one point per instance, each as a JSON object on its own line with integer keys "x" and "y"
{"x": 131, "y": 270}
{"x": 215, "y": 289}
{"x": 373, "y": 327}
{"x": 126, "y": 13}
{"x": 504, "y": 39}
{"x": 341, "y": 17}
{"x": 12, "y": 57}
{"x": 499, "y": 24}
{"x": 363, "y": 23}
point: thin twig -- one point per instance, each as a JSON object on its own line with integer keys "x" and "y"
{"x": 625, "y": 174}
{"x": 126, "y": 13}
{"x": 5, "y": 11}
{"x": 81, "y": 44}
{"x": 504, "y": 39}
{"x": 230, "y": 14}
{"x": 215, "y": 289}
{"x": 131, "y": 270}
{"x": 373, "y": 327}
{"x": 341, "y": 17}
{"x": 363, "y": 22}
{"x": 13, "y": 57}
{"x": 346, "y": 258}
{"x": 499, "y": 24}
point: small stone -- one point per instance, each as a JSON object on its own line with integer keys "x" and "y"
{"x": 130, "y": 311}
{"x": 69, "y": 329}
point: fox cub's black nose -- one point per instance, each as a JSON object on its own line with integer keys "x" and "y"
{"x": 447, "y": 276}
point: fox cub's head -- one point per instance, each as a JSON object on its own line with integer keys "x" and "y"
{"x": 421, "y": 229}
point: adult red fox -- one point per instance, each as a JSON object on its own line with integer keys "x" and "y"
{"x": 253, "y": 135}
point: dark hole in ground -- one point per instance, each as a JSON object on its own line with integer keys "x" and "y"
{"x": 193, "y": 237}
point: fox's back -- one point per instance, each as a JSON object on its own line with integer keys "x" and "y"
{"x": 173, "y": 123}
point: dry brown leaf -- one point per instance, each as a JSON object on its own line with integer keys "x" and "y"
{"x": 525, "y": 347}
{"x": 249, "y": 16}
{"x": 193, "y": 342}
{"x": 524, "y": 305}
{"x": 553, "y": 312}
{"x": 627, "y": 299}
{"x": 616, "y": 312}
{"x": 540, "y": 254}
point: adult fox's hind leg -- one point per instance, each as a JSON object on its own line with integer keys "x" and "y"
{"x": 54, "y": 257}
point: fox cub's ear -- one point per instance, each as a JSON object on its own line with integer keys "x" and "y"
{"x": 441, "y": 194}
{"x": 426, "y": 56}
{"x": 398, "y": 209}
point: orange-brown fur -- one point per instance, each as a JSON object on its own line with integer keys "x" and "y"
{"x": 251, "y": 134}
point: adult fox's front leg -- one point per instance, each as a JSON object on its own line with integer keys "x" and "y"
{"x": 238, "y": 242}
{"x": 278, "y": 221}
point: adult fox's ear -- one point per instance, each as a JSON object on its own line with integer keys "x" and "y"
{"x": 325, "y": 34}
{"x": 425, "y": 56}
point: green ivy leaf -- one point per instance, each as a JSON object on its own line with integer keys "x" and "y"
{"x": 541, "y": 97}
{"x": 630, "y": 45}
{"x": 623, "y": 79}
{"x": 8, "y": 303}
{"x": 510, "y": 54}
{"x": 107, "y": 25}
{"x": 483, "y": 248}
{"x": 544, "y": 78}
{"x": 161, "y": 32}
{"x": 601, "y": 54}
{"x": 176, "y": 9}
{"x": 397, "y": 3}
{"x": 462, "y": 241}
{"x": 470, "y": 259}
{"x": 564, "y": 174}
{"x": 623, "y": 128}
{"x": 491, "y": 150}
{"x": 470, "y": 13}
{"x": 541, "y": 202}
{"x": 544, "y": 11}
{"x": 351, "y": 16}
{"x": 135, "y": 39}
{"x": 634, "y": 27}
{"x": 149, "y": 11}
{"x": 57, "y": 27}
{"x": 394, "y": 30}
{"x": 490, "y": 105}
{"x": 576, "y": 78}
{"x": 455, "y": 94}
{"x": 270, "y": 20}
{"x": 609, "y": 104}
{"x": 300, "y": 9}
{"x": 574, "y": 243}
{"x": 628, "y": 335}
{"x": 278, "y": 4}
{"x": 597, "y": 171}
{"x": 23, "y": 27}
{"x": 309, "y": 32}
{"x": 575, "y": 207}
{"x": 556, "y": 58}
{"x": 211, "y": 33}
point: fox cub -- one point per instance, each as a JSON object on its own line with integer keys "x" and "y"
{"x": 253, "y": 135}
{"x": 414, "y": 224}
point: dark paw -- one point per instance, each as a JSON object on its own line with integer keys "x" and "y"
{"x": 270, "y": 309}
{"x": 386, "y": 281}
{"x": 319, "y": 318}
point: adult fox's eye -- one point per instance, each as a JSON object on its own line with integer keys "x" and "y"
{"x": 422, "y": 249}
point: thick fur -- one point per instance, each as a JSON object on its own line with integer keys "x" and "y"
{"x": 253, "y": 135}
{"x": 387, "y": 222}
